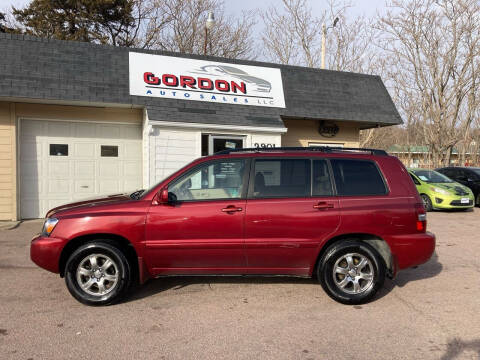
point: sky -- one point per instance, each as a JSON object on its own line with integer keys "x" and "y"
{"x": 360, "y": 7}
{"x": 367, "y": 8}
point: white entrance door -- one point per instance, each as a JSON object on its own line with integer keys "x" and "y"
{"x": 62, "y": 162}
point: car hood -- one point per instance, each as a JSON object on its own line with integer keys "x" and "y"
{"x": 88, "y": 203}
{"x": 452, "y": 187}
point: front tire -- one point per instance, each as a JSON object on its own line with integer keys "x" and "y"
{"x": 427, "y": 203}
{"x": 351, "y": 272}
{"x": 98, "y": 273}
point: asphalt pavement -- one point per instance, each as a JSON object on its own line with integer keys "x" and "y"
{"x": 431, "y": 312}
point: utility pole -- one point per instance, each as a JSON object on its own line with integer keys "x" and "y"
{"x": 205, "y": 45}
{"x": 324, "y": 38}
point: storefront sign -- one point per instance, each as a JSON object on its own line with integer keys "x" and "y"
{"x": 188, "y": 79}
{"x": 327, "y": 129}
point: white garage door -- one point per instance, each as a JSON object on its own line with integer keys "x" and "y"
{"x": 61, "y": 162}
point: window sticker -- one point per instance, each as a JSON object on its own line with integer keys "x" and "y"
{"x": 423, "y": 177}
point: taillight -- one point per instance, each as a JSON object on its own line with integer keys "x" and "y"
{"x": 421, "y": 217}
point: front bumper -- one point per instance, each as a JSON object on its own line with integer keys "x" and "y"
{"x": 45, "y": 252}
{"x": 412, "y": 249}
{"x": 440, "y": 201}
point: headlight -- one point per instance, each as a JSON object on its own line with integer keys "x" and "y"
{"x": 439, "y": 190}
{"x": 48, "y": 226}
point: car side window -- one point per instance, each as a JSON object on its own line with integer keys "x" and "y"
{"x": 460, "y": 174}
{"x": 211, "y": 181}
{"x": 357, "y": 177}
{"x": 447, "y": 172}
{"x": 471, "y": 175}
{"x": 415, "y": 181}
{"x": 321, "y": 184}
{"x": 281, "y": 178}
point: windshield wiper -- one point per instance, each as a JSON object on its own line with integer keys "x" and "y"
{"x": 136, "y": 194}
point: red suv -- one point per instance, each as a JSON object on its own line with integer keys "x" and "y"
{"x": 350, "y": 217}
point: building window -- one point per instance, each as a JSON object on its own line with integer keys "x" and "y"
{"x": 58, "y": 150}
{"x": 212, "y": 143}
{"x": 109, "y": 151}
{"x": 205, "y": 144}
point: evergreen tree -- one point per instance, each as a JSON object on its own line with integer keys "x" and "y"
{"x": 100, "y": 21}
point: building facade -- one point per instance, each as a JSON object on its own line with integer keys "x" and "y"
{"x": 80, "y": 120}
{"x": 419, "y": 156}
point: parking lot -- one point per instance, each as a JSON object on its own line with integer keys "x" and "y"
{"x": 431, "y": 312}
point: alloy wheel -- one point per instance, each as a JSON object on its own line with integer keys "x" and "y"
{"x": 97, "y": 274}
{"x": 353, "y": 273}
{"x": 425, "y": 202}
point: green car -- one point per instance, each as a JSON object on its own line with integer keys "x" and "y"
{"x": 440, "y": 192}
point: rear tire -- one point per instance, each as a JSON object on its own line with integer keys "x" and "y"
{"x": 351, "y": 272}
{"x": 427, "y": 203}
{"x": 98, "y": 273}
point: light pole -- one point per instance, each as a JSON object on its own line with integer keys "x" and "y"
{"x": 324, "y": 38}
{"x": 208, "y": 25}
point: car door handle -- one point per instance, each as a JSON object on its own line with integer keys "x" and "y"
{"x": 323, "y": 205}
{"x": 231, "y": 208}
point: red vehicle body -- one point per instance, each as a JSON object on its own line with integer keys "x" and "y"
{"x": 279, "y": 236}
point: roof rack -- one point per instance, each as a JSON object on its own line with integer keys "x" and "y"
{"x": 325, "y": 149}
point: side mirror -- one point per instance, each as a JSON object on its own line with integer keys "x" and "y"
{"x": 163, "y": 196}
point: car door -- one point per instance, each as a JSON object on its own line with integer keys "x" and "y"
{"x": 461, "y": 176}
{"x": 284, "y": 223}
{"x": 201, "y": 231}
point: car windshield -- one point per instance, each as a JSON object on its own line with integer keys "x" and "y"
{"x": 431, "y": 176}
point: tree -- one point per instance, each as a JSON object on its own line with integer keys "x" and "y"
{"x": 2, "y": 22}
{"x": 173, "y": 25}
{"x": 431, "y": 48}
{"x": 183, "y": 29}
{"x": 5, "y": 24}
{"x": 292, "y": 35}
{"x": 101, "y": 21}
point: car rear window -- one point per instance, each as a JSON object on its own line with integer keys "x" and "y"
{"x": 357, "y": 177}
